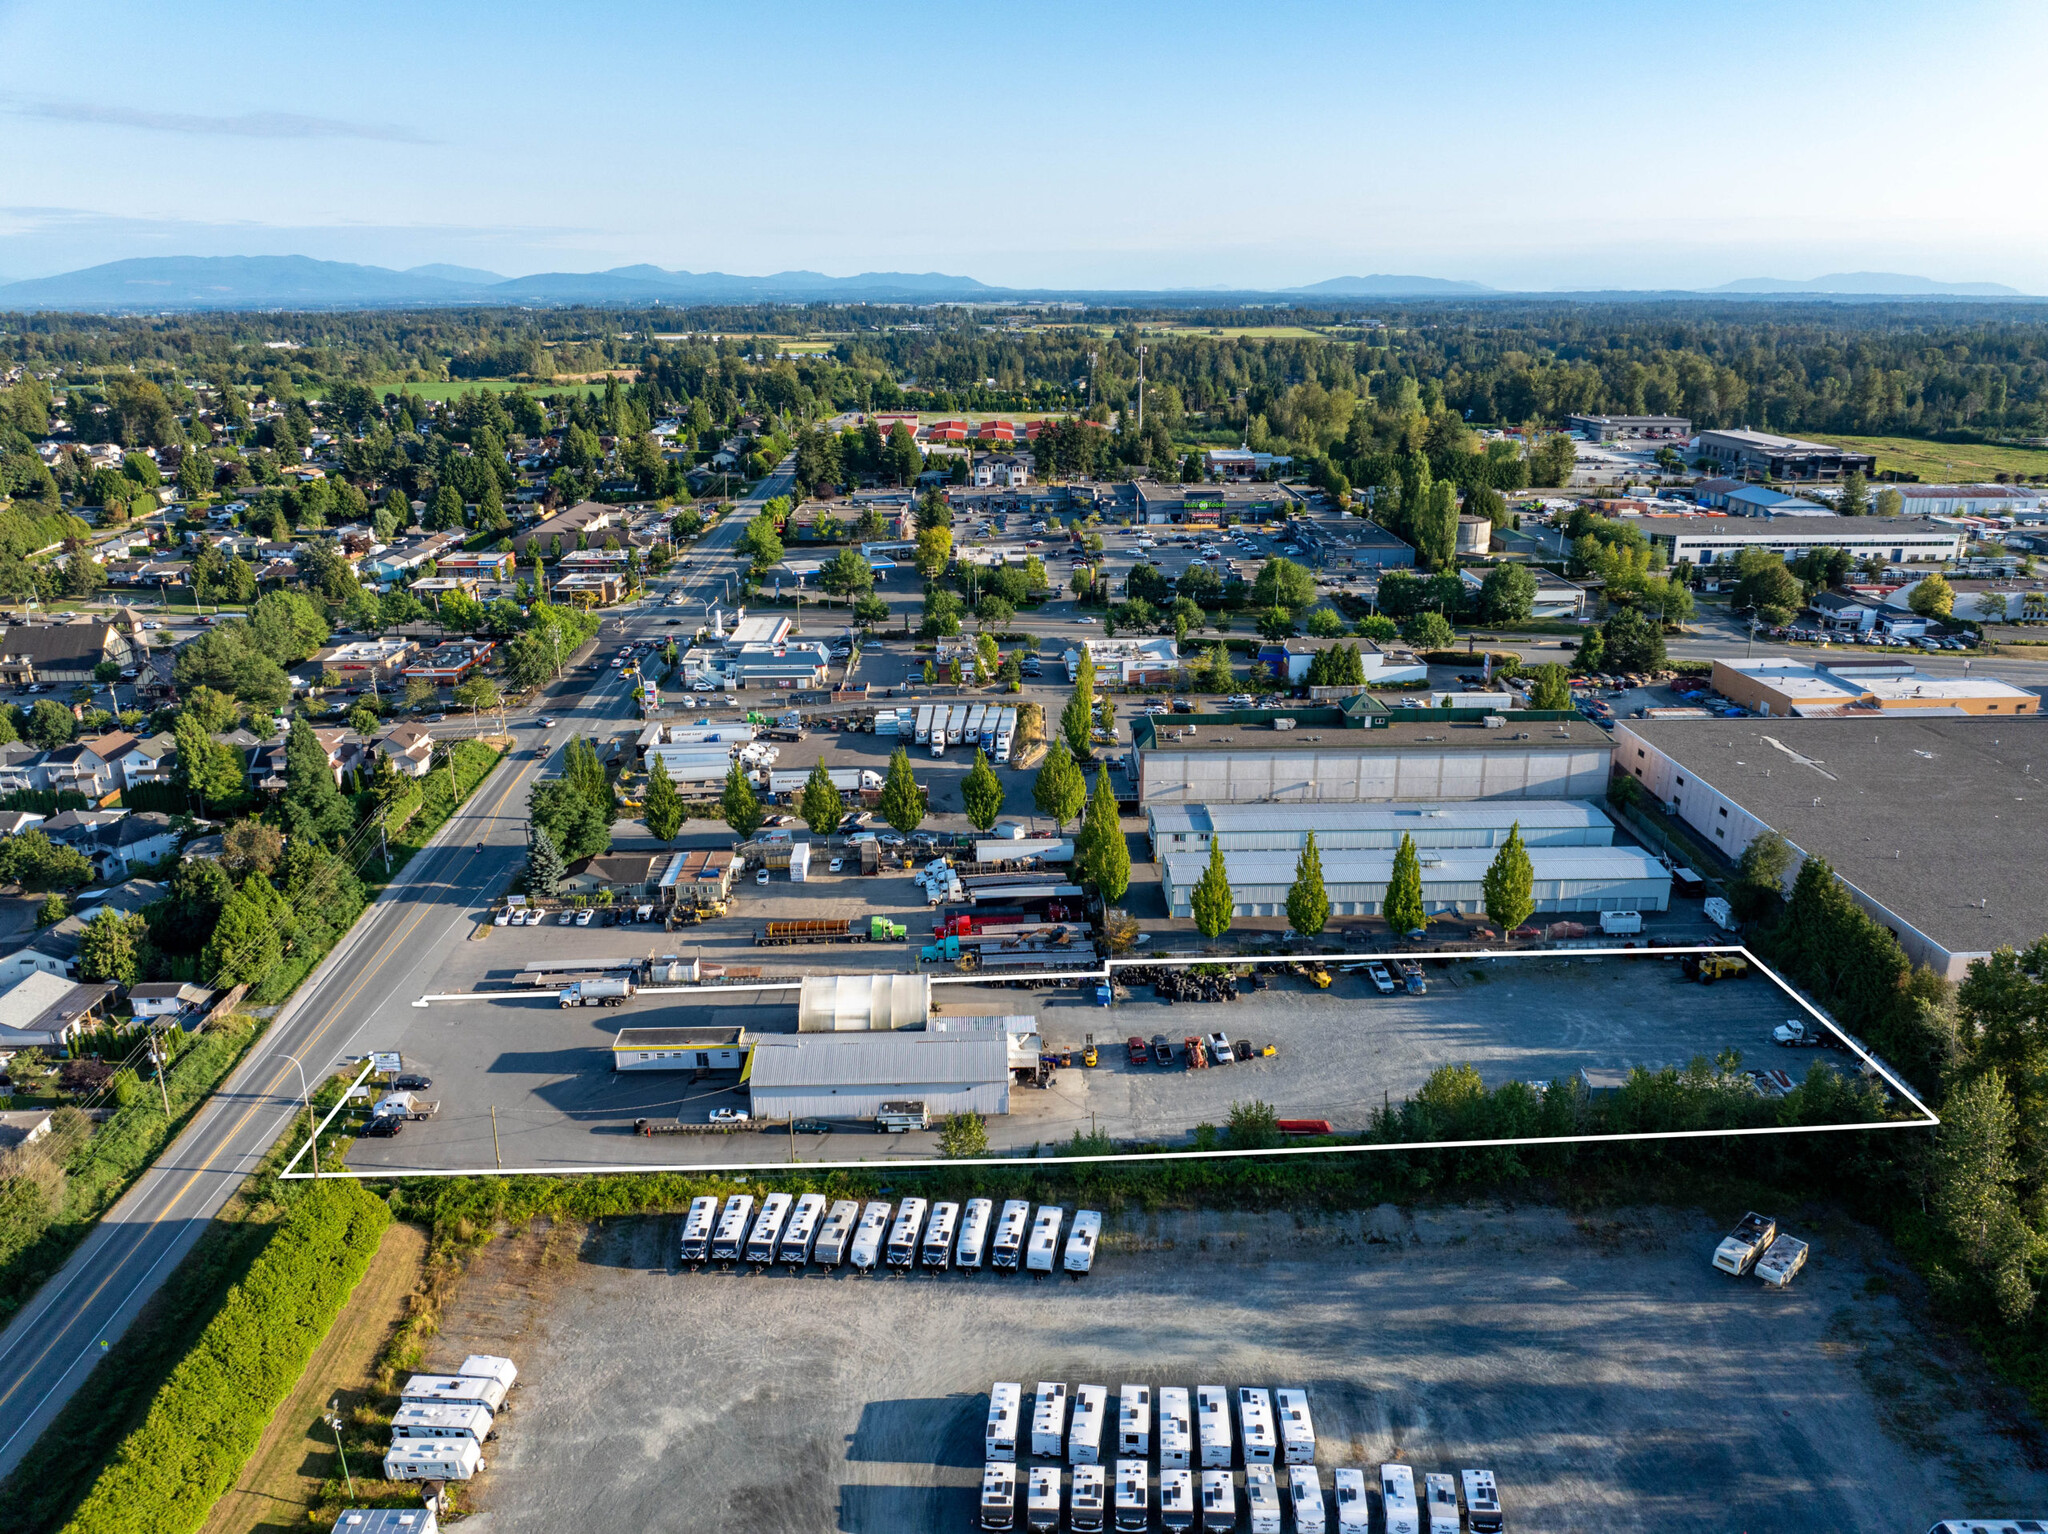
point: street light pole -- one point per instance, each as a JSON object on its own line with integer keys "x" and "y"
{"x": 334, "y": 1421}
{"x": 312, "y": 1130}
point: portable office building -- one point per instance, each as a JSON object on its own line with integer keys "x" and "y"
{"x": 1010, "y": 1233}
{"x": 1482, "y": 1503}
{"x": 869, "y": 1235}
{"x": 767, "y": 1231}
{"x": 453, "y": 1390}
{"x": 1087, "y": 1496}
{"x": 1042, "y": 1498}
{"x": 415, "y": 1419}
{"x": 904, "y": 1233}
{"x": 1084, "y": 1438}
{"x": 730, "y": 1237}
{"x": 1080, "y": 1254}
{"x": 1297, "y": 1428}
{"x": 801, "y": 1233}
{"x": 937, "y": 1251}
{"x": 1397, "y": 1500}
{"x": 489, "y": 1366}
{"x": 998, "y": 1496}
{"x": 1134, "y": 1420}
{"x": 837, "y": 1230}
{"x": 1177, "y": 1499}
{"x": 1255, "y": 1419}
{"x": 1219, "y": 1500}
{"x": 1305, "y": 1492}
{"x": 1133, "y": 1496}
{"x": 1262, "y": 1499}
{"x": 1354, "y": 1511}
{"x": 697, "y": 1226}
{"x": 1212, "y": 1420}
{"x": 1005, "y": 1402}
{"x": 1049, "y": 1419}
{"x": 432, "y": 1459}
{"x": 1439, "y": 1505}
{"x": 1176, "y": 1430}
{"x": 973, "y": 1234}
{"x": 1045, "y": 1238}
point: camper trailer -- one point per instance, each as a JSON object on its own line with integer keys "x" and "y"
{"x": 1212, "y": 1421}
{"x": 729, "y": 1239}
{"x": 1133, "y": 1497}
{"x": 1084, "y": 1437}
{"x": 1305, "y": 1492}
{"x": 1219, "y": 1501}
{"x": 1262, "y": 1499}
{"x": 1176, "y": 1430}
{"x": 1439, "y": 1505}
{"x": 452, "y": 1390}
{"x": 998, "y": 1496}
{"x": 1134, "y": 1420}
{"x": 489, "y": 1366}
{"x": 1005, "y": 1402}
{"x": 1255, "y": 1420}
{"x": 767, "y": 1232}
{"x": 1045, "y": 1238}
{"x": 1397, "y": 1500}
{"x": 1042, "y": 1498}
{"x": 902, "y": 1251}
{"x": 938, "y": 1237}
{"x": 432, "y": 1459}
{"x": 419, "y": 1420}
{"x": 1354, "y": 1510}
{"x": 801, "y": 1233}
{"x": 1482, "y": 1503}
{"x": 973, "y": 1234}
{"x": 1010, "y": 1230}
{"x": 1297, "y": 1428}
{"x": 1049, "y": 1419}
{"x": 1087, "y": 1499}
{"x": 1177, "y": 1499}
{"x": 697, "y": 1226}
{"x": 869, "y": 1234}
{"x": 1080, "y": 1254}
{"x": 833, "y": 1235}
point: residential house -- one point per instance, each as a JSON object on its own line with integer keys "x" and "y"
{"x": 14, "y": 822}
{"x": 76, "y": 828}
{"x": 61, "y": 652}
{"x": 344, "y": 750}
{"x": 585, "y": 517}
{"x": 169, "y": 998}
{"x": 23, "y": 1126}
{"x": 628, "y": 875}
{"x": 20, "y": 767}
{"x": 133, "y": 842}
{"x": 410, "y": 748}
{"x": 1004, "y": 469}
{"x": 44, "y": 1011}
{"x": 149, "y": 760}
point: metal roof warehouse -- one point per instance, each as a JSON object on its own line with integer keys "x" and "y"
{"x": 850, "y": 1075}
{"x": 1479, "y": 823}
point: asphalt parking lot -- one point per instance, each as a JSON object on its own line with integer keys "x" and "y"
{"x": 1610, "y": 1378}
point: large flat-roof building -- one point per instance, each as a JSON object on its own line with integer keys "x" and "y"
{"x": 1612, "y": 428}
{"x": 1706, "y": 540}
{"x": 1214, "y": 505}
{"x": 1860, "y": 687}
{"x": 1183, "y": 760}
{"x": 1971, "y": 500}
{"x": 1760, "y": 455}
{"x": 1338, "y": 542}
{"x": 1934, "y": 825}
{"x": 850, "y": 1075}
{"x": 1469, "y": 825}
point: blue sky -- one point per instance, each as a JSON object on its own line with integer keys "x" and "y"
{"x": 1533, "y": 145}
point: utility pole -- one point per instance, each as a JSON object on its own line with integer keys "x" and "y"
{"x": 157, "y": 1060}
{"x": 495, "y": 1151}
{"x": 1141, "y": 391}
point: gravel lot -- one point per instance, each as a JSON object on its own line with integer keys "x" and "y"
{"x": 1611, "y": 1379}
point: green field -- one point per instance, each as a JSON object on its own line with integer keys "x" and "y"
{"x": 1241, "y": 332}
{"x": 461, "y": 386}
{"x": 1945, "y": 462}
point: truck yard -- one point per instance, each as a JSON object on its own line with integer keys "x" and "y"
{"x": 1596, "y": 1362}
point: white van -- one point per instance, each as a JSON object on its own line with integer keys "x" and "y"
{"x": 1005, "y": 1403}
{"x": 432, "y": 1459}
{"x": 767, "y": 1232}
{"x": 1176, "y": 1430}
{"x": 1177, "y": 1499}
{"x": 1297, "y": 1428}
{"x": 1084, "y": 1437}
{"x": 1305, "y": 1491}
{"x": 1354, "y": 1508}
{"x": 1255, "y": 1418}
{"x": 1212, "y": 1420}
{"x": 1049, "y": 1419}
{"x": 1087, "y": 1498}
{"x": 1397, "y": 1500}
{"x": 1010, "y": 1231}
{"x": 973, "y": 1233}
{"x": 1042, "y": 1498}
{"x": 1134, "y": 1420}
{"x": 998, "y": 1496}
{"x": 801, "y": 1234}
{"x": 903, "y": 1234}
{"x": 837, "y": 1230}
{"x": 1219, "y": 1500}
{"x": 1262, "y": 1499}
{"x": 696, "y": 1245}
{"x": 1081, "y": 1239}
{"x": 1439, "y": 1505}
{"x": 1133, "y": 1496}
{"x": 869, "y": 1234}
{"x": 1482, "y": 1503}
{"x": 938, "y": 1237}
{"x": 1045, "y": 1238}
{"x": 730, "y": 1237}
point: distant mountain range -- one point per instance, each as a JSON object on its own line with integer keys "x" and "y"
{"x": 301, "y": 282}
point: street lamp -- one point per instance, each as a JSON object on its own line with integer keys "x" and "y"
{"x": 312, "y": 1131}
{"x": 334, "y": 1421}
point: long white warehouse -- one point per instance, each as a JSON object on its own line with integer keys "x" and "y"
{"x": 1567, "y": 879}
{"x": 1474, "y": 823}
{"x": 850, "y": 1075}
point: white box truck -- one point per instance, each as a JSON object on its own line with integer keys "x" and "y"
{"x": 1010, "y": 1234}
{"x": 801, "y": 1233}
{"x": 973, "y": 1243}
{"x": 1354, "y": 1508}
{"x": 1297, "y": 1427}
{"x": 1255, "y": 1420}
{"x": 1134, "y": 1420}
{"x": 1621, "y": 923}
{"x": 1212, "y": 1422}
{"x": 1049, "y": 1419}
{"x": 1042, "y": 1498}
{"x": 998, "y": 1496}
{"x": 1440, "y": 1504}
{"x": 1087, "y": 1499}
{"x": 1177, "y": 1499}
{"x": 1482, "y": 1503}
{"x": 869, "y": 1235}
{"x": 1262, "y": 1499}
{"x": 1044, "y": 1244}
{"x": 834, "y": 1234}
{"x": 432, "y": 1459}
{"x": 1005, "y": 1403}
{"x": 1133, "y": 1496}
{"x": 1176, "y": 1430}
{"x": 1081, "y": 1240}
{"x": 1084, "y": 1437}
{"x": 697, "y": 1224}
{"x": 1305, "y": 1492}
{"x": 1219, "y": 1501}
{"x": 1397, "y": 1500}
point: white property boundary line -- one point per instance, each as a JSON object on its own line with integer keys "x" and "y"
{"x": 1928, "y": 1119}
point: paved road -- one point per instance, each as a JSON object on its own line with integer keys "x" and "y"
{"x": 52, "y": 1344}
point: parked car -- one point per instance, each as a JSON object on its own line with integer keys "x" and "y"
{"x": 1162, "y": 1049}
{"x": 583, "y": 917}
{"x": 568, "y": 917}
{"x": 381, "y": 1128}
{"x": 412, "y": 1082}
{"x": 1135, "y": 1048}
{"x": 1381, "y": 981}
{"x": 730, "y": 1116}
{"x": 837, "y": 865}
{"x": 812, "y": 1127}
{"x": 761, "y": 877}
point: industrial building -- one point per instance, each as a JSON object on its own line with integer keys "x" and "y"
{"x": 1128, "y": 660}
{"x": 1567, "y": 879}
{"x": 1861, "y": 687}
{"x": 679, "y": 1049}
{"x": 1869, "y": 799}
{"x": 1480, "y": 825}
{"x": 1760, "y": 455}
{"x": 1214, "y": 505}
{"x": 1333, "y": 542}
{"x": 1615, "y": 428}
{"x": 850, "y": 1075}
{"x": 1705, "y": 540}
{"x": 1178, "y": 760}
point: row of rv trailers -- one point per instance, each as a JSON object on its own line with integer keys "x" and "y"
{"x": 986, "y": 726}
{"x": 444, "y": 1420}
{"x": 806, "y": 1231}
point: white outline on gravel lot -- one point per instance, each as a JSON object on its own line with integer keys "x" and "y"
{"x": 1927, "y": 1120}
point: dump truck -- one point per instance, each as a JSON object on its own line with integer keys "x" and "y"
{"x": 597, "y": 991}
{"x": 876, "y": 929}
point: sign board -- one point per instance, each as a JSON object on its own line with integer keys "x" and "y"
{"x": 389, "y": 1062}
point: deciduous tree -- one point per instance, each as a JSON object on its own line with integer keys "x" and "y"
{"x": 1059, "y": 790}
{"x": 982, "y": 791}
{"x": 902, "y": 805}
{"x": 1510, "y": 883}
{"x": 820, "y": 805}
{"x": 1403, "y": 907}
{"x": 738, "y": 804}
{"x": 1308, "y": 902}
{"x": 664, "y": 809}
{"x": 1100, "y": 851}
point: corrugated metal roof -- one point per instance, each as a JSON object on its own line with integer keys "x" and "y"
{"x": 1198, "y": 819}
{"x": 857, "y": 1003}
{"x": 676, "y": 1038}
{"x": 1184, "y": 870}
{"x": 878, "y": 1059}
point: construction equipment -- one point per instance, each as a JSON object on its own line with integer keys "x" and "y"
{"x": 1089, "y": 1057}
{"x": 1198, "y": 1055}
{"x": 1707, "y": 968}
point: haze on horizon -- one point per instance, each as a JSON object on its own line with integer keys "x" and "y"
{"x": 1149, "y": 146}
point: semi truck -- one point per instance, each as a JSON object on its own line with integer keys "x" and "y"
{"x": 956, "y": 724}
{"x": 876, "y": 929}
{"x": 924, "y": 724}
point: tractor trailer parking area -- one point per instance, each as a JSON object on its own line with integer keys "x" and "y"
{"x": 1594, "y": 1361}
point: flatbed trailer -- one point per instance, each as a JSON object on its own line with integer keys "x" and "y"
{"x": 876, "y": 929}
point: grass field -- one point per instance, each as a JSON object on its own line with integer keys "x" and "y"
{"x": 1945, "y": 462}
{"x": 1241, "y": 332}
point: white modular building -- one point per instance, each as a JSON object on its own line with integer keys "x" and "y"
{"x": 1567, "y": 879}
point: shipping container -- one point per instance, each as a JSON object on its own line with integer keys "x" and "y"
{"x": 1044, "y": 1245}
{"x": 1133, "y": 1496}
{"x": 837, "y": 1230}
{"x": 1049, "y": 1419}
{"x": 432, "y": 1459}
{"x": 1005, "y": 1403}
{"x": 902, "y": 1251}
{"x": 1134, "y": 1420}
{"x": 1176, "y": 1430}
{"x": 1042, "y": 1498}
{"x": 1087, "y": 1498}
{"x": 418, "y": 1419}
{"x": 1439, "y": 1505}
{"x": 1177, "y": 1498}
{"x": 973, "y": 1234}
{"x": 1008, "y": 1249}
{"x": 767, "y": 1231}
{"x": 1212, "y": 1422}
{"x": 1219, "y": 1500}
{"x": 1255, "y": 1419}
{"x": 1297, "y": 1428}
{"x": 1483, "y": 1513}
{"x": 1262, "y": 1499}
{"x": 1397, "y": 1500}
{"x": 938, "y": 1236}
{"x": 801, "y": 1234}
{"x": 1354, "y": 1509}
{"x": 999, "y": 1496}
{"x": 869, "y": 1235}
{"x": 1081, "y": 1240}
{"x": 1084, "y": 1438}
{"x": 1305, "y": 1492}
{"x": 730, "y": 1237}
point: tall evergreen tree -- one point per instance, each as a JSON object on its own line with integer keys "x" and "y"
{"x": 983, "y": 793}
{"x": 738, "y": 804}
{"x": 1211, "y": 898}
{"x": 445, "y": 512}
{"x": 1059, "y": 789}
{"x": 585, "y": 773}
{"x": 820, "y": 805}
{"x": 1403, "y": 905}
{"x": 312, "y": 803}
{"x": 1308, "y": 902}
{"x": 664, "y": 811}
{"x": 544, "y": 866}
{"x": 1510, "y": 883}
{"x": 902, "y": 805}
{"x": 1100, "y": 851}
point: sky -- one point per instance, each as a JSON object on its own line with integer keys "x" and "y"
{"x": 1191, "y": 144}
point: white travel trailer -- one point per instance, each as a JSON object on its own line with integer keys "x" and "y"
{"x": 1397, "y": 1500}
{"x": 1262, "y": 1499}
{"x": 1005, "y": 1404}
{"x": 489, "y": 1366}
{"x": 416, "y": 1420}
{"x": 1219, "y": 1500}
{"x": 869, "y": 1234}
{"x": 1133, "y": 1496}
{"x": 1049, "y": 1419}
{"x": 1134, "y": 1420}
{"x": 1045, "y": 1238}
{"x": 938, "y": 1236}
{"x": 767, "y": 1231}
{"x": 1305, "y": 1491}
{"x": 902, "y": 1251}
{"x": 1087, "y": 1497}
{"x": 1482, "y": 1503}
{"x": 1010, "y": 1233}
{"x": 1176, "y": 1430}
{"x": 432, "y": 1459}
{"x": 1084, "y": 1437}
{"x": 1782, "y": 1262}
{"x": 1439, "y": 1505}
{"x": 1297, "y": 1427}
{"x": 998, "y": 1496}
{"x": 730, "y": 1237}
{"x": 1081, "y": 1239}
{"x": 801, "y": 1233}
{"x": 1255, "y": 1418}
{"x": 1042, "y": 1498}
{"x": 973, "y": 1241}
{"x": 1177, "y": 1499}
{"x": 697, "y": 1229}
{"x": 1354, "y": 1508}
{"x": 452, "y": 1390}
{"x": 837, "y": 1230}
{"x": 1212, "y": 1422}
